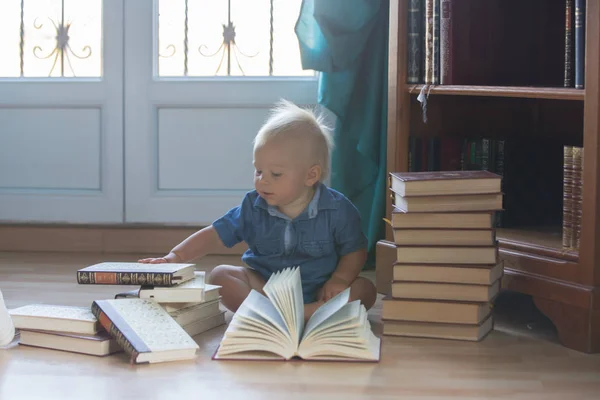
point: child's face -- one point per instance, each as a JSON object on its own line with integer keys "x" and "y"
{"x": 283, "y": 173}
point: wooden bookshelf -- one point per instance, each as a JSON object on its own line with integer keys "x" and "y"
{"x": 564, "y": 283}
{"x": 502, "y": 91}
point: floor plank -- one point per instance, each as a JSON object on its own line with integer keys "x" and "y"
{"x": 515, "y": 361}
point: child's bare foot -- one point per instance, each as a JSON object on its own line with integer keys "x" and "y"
{"x": 310, "y": 308}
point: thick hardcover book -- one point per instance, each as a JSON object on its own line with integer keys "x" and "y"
{"x": 428, "y": 41}
{"x": 445, "y": 291}
{"x": 475, "y": 274}
{"x": 130, "y": 273}
{"x": 446, "y": 77}
{"x": 569, "y": 44}
{"x": 100, "y": 344}
{"x": 273, "y": 327}
{"x": 580, "y": 13}
{"x": 415, "y": 38}
{"x": 450, "y": 312}
{"x": 55, "y": 318}
{"x": 444, "y": 183}
{"x": 468, "y": 332}
{"x": 145, "y": 330}
{"x": 436, "y": 42}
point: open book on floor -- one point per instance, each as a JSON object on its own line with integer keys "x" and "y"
{"x": 273, "y": 327}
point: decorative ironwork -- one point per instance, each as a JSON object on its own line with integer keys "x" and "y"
{"x": 62, "y": 48}
{"x": 228, "y": 46}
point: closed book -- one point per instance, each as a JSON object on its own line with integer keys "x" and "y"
{"x": 202, "y": 325}
{"x": 192, "y": 291}
{"x": 186, "y": 316}
{"x": 144, "y": 330}
{"x": 130, "y": 273}
{"x": 445, "y": 291}
{"x": 450, "y": 203}
{"x": 455, "y": 220}
{"x": 56, "y": 318}
{"x": 447, "y": 254}
{"x": 100, "y": 344}
{"x": 467, "y": 332}
{"x": 436, "y": 183}
{"x": 445, "y": 237}
{"x": 452, "y": 312}
{"x": 476, "y": 274}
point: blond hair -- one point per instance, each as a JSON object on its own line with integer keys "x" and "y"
{"x": 287, "y": 119}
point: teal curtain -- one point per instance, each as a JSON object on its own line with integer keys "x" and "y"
{"x": 347, "y": 41}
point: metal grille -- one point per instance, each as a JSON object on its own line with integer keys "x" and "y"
{"x": 228, "y": 38}
{"x": 50, "y": 38}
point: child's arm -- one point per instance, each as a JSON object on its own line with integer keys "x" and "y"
{"x": 200, "y": 243}
{"x": 346, "y": 272}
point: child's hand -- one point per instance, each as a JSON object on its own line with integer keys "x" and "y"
{"x": 160, "y": 260}
{"x": 332, "y": 287}
{"x": 169, "y": 258}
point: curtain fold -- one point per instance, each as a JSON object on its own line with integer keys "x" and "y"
{"x": 347, "y": 42}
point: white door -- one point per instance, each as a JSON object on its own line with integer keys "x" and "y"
{"x": 61, "y": 110}
{"x": 194, "y": 99}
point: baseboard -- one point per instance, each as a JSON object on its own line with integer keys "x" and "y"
{"x": 151, "y": 240}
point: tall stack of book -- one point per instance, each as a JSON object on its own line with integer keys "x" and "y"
{"x": 572, "y": 196}
{"x": 447, "y": 271}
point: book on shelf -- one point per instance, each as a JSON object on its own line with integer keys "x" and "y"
{"x": 100, "y": 344}
{"x": 475, "y": 274}
{"x": 146, "y": 332}
{"x": 55, "y": 318}
{"x": 273, "y": 327}
{"x": 132, "y": 273}
{"x": 572, "y": 196}
{"x": 445, "y": 291}
{"x": 466, "y": 42}
{"x": 467, "y": 332}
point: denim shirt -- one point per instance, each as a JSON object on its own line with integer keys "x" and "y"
{"x": 329, "y": 228}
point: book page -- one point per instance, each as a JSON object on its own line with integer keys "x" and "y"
{"x": 325, "y": 312}
{"x": 284, "y": 289}
{"x": 263, "y": 307}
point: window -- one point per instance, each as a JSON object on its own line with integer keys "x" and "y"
{"x": 50, "y": 38}
{"x": 205, "y": 38}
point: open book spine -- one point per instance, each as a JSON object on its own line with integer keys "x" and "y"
{"x": 115, "y": 332}
{"x": 124, "y": 278}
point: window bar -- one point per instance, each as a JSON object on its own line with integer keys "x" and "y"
{"x": 62, "y": 53}
{"x": 22, "y": 39}
{"x": 185, "y": 41}
{"x": 271, "y": 41}
{"x": 228, "y": 42}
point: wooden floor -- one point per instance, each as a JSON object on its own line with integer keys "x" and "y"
{"x": 515, "y": 362}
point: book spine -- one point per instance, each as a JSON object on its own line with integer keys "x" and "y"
{"x": 567, "y": 221}
{"x": 436, "y": 42}
{"x": 114, "y": 332}
{"x": 446, "y": 77}
{"x": 428, "y": 42}
{"x": 485, "y": 154}
{"x": 568, "y": 79}
{"x": 577, "y": 195}
{"x": 415, "y": 37}
{"x": 124, "y": 278}
{"x": 579, "y": 43}
{"x": 499, "y": 169}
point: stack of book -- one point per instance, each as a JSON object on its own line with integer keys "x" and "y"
{"x": 572, "y": 196}
{"x": 447, "y": 271}
{"x": 194, "y": 304}
{"x": 66, "y": 328}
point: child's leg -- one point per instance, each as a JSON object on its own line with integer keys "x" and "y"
{"x": 236, "y": 283}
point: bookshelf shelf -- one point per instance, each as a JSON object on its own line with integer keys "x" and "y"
{"x": 545, "y": 242}
{"x": 502, "y": 91}
{"x": 564, "y": 283}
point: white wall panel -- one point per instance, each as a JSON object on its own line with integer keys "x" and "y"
{"x": 50, "y": 148}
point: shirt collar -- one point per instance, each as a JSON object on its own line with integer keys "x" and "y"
{"x": 322, "y": 200}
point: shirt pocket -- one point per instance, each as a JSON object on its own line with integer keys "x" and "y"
{"x": 269, "y": 247}
{"x": 317, "y": 248}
